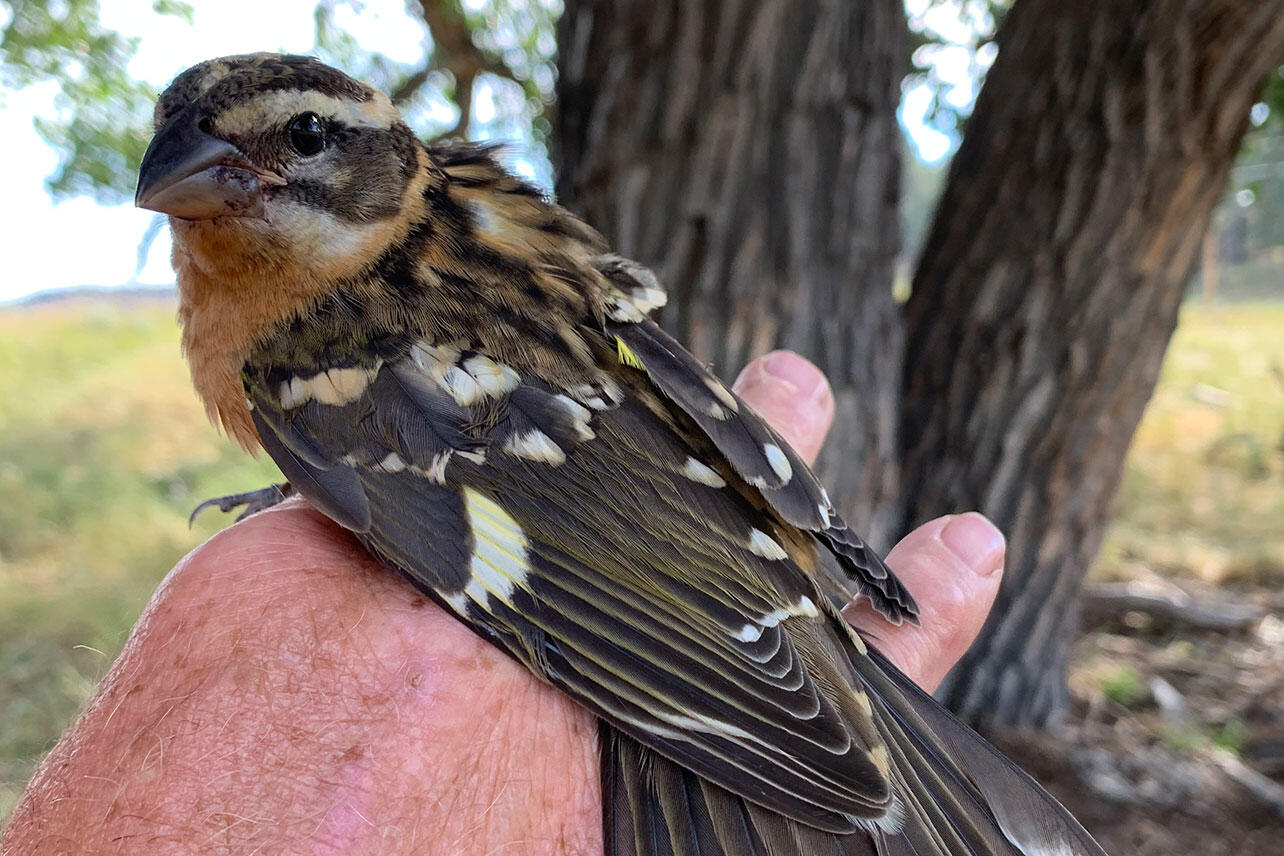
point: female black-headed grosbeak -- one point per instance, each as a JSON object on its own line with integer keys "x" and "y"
{"x": 458, "y": 371}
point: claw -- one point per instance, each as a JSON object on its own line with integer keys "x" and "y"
{"x": 253, "y": 500}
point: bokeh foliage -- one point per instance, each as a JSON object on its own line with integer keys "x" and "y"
{"x": 104, "y": 449}
{"x": 102, "y": 111}
{"x": 103, "y": 114}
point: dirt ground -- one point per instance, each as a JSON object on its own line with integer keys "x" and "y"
{"x": 1175, "y": 746}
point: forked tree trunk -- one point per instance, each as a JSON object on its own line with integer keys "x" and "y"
{"x": 749, "y": 152}
{"x": 1048, "y": 289}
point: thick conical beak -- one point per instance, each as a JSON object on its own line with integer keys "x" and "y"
{"x": 191, "y": 174}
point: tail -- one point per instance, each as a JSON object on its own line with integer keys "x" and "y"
{"x": 957, "y": 796}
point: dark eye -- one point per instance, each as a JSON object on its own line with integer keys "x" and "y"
{"x": 307, "y": 134}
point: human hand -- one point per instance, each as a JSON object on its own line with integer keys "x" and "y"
{"x": 284, "y": 693}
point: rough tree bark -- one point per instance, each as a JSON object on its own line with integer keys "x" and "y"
{"x": 1048, "y": 289}
{"x": 748, "y": 151}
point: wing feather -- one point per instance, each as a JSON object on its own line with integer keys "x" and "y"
{"x": 614, "y": 569}
{"x": 761, "y": 457}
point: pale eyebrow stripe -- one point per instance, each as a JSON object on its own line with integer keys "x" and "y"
{"x": 377, "y": 112}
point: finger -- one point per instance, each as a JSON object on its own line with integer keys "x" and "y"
{"x": 793, "y": 396}
{"x": 952, "y": 566}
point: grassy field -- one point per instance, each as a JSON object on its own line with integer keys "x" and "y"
{"x": 1203, "y": 489}
{"x": 104, "y": 450}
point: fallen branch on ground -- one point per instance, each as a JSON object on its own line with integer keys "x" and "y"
{"x": 1111, "y": 601}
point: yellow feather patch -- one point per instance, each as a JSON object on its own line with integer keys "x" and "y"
{"x": 878, "y": 757}
{"x": 626, "y": 355}
{"x": 499, "y": 564}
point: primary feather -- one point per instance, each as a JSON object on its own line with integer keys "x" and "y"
{"x": 459, "y": 371}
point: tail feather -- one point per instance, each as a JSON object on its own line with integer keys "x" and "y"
{"x": 730, "y": 815}
{"x": 1030, "y": 819}
{"x": 957, "y": 796}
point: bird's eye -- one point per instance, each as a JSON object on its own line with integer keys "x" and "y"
{"x": 307, "y": 134}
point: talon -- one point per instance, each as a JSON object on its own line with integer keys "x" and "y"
{"x": 254, "y": 501}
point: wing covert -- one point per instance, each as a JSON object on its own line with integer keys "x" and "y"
{"x": 599, "y": 549}
{"x": 754, "y": 449}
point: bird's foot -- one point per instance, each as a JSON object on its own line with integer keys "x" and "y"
{"x": 253, "y": 501}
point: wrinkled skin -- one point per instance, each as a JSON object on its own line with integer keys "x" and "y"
{"x": 283, "y": 693}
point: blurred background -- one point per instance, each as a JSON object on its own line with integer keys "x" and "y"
{"x": 1039, "y": 250}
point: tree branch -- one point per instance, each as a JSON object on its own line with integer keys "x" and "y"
{"x": 454, "y": 51}
{"x": 412, "y": 84}
{"x": 1110, "y": 601}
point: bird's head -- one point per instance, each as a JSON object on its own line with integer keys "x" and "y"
{"x": 270, "y": 161}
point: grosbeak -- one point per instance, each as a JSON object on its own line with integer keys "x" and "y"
{"x": 457, "y": 370}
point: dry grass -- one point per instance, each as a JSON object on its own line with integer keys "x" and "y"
{"x": 103, "y": 452}
{"x": 1203, "y": 491}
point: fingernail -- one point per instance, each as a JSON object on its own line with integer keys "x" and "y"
{"x": 976, "y": 541}
{"x": 793, "y": 369}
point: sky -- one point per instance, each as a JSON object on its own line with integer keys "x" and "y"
{"x": 34, "y": 231}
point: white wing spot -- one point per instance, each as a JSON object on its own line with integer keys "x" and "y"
{"x": 342, "y": 386}
{"x": 857, "y": 641}
{"x": 392, "y": 463}
{"x": 437, "y": 467}
{"x": 602, "y": 394}
{"x": 702, "y": 473}
{"x": 580, "y": 416}
{"x": 624, "y": 311}
{"x": 535, "y": 446}
{"x": 462, "y": 386}
{"x": 611, "y": 390}
{"x": 764, "y": 545}
{"x": 778, "y": 460}
{"x": 435, "y": 360}
{"x": 878, "y": 755}
{"x": 495, "y": 379}
{"x": 723, "y": 394}
{"x": 499, "y": 563}
{"x": 293, "y": 393}
{"x": 334, "y": 387}
{"x": 637, "y": 304}
{"x": 649, "y": 299}
{"x": 752, "y": 631}
{"x": 485, "y": 220}
{"x": 578, "y": 411}
{"x": 468, "y": 381}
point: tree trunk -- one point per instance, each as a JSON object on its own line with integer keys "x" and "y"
{"x": 748, "y": 151}
{"x": 1049, "y": 287}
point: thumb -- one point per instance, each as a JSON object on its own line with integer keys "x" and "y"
{"x": 953, "y": 565}
{"x": 793, "y": 396}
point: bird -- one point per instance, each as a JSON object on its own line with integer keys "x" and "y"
{"x": 461, "y": 373}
